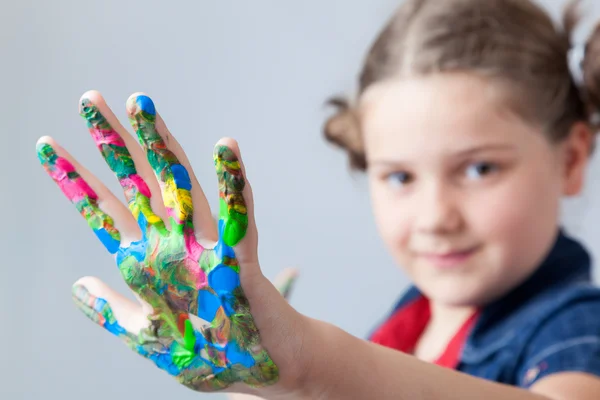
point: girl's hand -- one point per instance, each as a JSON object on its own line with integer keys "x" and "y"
{"x": 206, "y": 314}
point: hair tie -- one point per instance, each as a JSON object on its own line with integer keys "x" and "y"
{"x": 575, "y": 59}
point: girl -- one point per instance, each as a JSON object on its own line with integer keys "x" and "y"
{"x": 470, "y": 128}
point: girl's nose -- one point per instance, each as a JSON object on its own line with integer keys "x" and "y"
{"x": 438, "y": 210}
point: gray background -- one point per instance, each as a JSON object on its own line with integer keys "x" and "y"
{"x": 255, "y": 70}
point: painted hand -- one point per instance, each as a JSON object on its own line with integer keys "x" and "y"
{"x": 194, "y": 319}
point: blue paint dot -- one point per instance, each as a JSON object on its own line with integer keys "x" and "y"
{"x": 135, "y": 249}
{"x": 146, "y": 105}
{"x": 223, "y": 279}
{"x": 138, "y": 250}
{"x": 164, "y": 362}
{"x": 115, "y": 328}
{"x": 99, "y": 305}
{"x": 208, "y": 304}
{"x": 221, "y": 226}
{"x": 217, "y": 370}
{"x": 237, "y": 356}
{"x": 143, "y": 224}
{"x": 111, "y": 244}
{"x": 160, "y": 289}
{"x": 200, "y": 342}
{"x": 121, "y": 255}
{"x": 221, "y": 249}
{"x": 227, "y": 300}
{"x": 141, "y": 351}
{"x": 181, "y": 176}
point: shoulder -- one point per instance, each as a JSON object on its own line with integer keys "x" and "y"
{"x": 563, "y": 334}
{"x": 568, "y": 302}
{"x": 550, "y": 331}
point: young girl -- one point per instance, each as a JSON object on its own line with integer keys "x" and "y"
{"x": 470, "y": 128}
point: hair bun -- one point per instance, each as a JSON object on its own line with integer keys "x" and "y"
{"x": 591, "y": 75}
{"x": 343, "y": 130}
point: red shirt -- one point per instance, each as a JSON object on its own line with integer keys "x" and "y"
{"x": 404, "y": 328}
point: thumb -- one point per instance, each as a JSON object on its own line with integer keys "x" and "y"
{"x": 109, "y": 309}
{"x": 126, "y": 319}
{"x": 237, "y": 228}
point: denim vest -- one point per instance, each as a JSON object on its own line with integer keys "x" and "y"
{"x": 548, "y": 324}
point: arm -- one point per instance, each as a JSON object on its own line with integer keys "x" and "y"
{"x": 370, "y": 369}
{"x": 236, "y": 396}
{"x": 283, "y": 283}
{"x": 209, "y": 317}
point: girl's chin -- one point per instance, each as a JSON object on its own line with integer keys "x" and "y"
{"x": 455, "y": 294}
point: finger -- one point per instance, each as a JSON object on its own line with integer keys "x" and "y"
{"x": 92, "y": 199}
{"x": 236, "y": 219}
{"x": 204, "y": 224}
{"x": 109, "y": 309}
{"x": 122, "y": 317}
{"x": 173, "y": 177}
{"x": 123, "y": 156}
{"x": 284, "y": 282}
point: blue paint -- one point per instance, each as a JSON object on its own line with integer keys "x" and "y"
{"x": 200, "y": 362}
{"x": 200, "y": 342}
{"x": 160, "y": 289}
{"x": 208, "y": 304}
{"x": 165, "y": 362}
{"x": 145, "y": 104}
{"x": 143, "y": 224}
{"x": 217, "y": 370}
{"x": 221, "y": 249}
{"x": 135, "y": 249}
{"x": 223, "y": 279}
{"x": 113, "y": 327}
{"x": 111, "y": 244}
{"x": 181, "y": 177}
{"x": 237, "y": 356}
{"x": 227, "y": 300}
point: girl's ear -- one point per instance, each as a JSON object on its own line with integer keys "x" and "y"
{"x": 577, "y": 148}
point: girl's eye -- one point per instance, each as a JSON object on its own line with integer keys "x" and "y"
{"x": 479, "y": 170}
{"x": 399, "y": 179}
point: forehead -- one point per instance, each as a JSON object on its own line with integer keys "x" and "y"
{"x": 444, "y": 111}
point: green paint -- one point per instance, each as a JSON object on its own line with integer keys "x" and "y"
{"x": 184, "y": 355}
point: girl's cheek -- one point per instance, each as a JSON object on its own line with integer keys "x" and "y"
{"x": 514, "y": 217}
{"x": 394, "y": 225}
{"x": 384, "y": 211}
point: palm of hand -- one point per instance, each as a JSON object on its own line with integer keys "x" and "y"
{"x": 200, "y": 328}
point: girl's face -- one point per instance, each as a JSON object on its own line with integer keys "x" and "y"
{"x": 466, "y": 194}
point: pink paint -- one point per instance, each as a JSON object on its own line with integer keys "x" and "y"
{"x": 136, "y": 181}
{"x": 194, "y": 249}
{"x": 107, "y": 136}
{"x": 198, "y": 276}
{"x": 64, "y": 165}
{"x": 74, "y": 190}
{"x": 172, "y": 213}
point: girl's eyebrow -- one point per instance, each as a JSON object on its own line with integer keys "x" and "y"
{"x": 486, "y": 147}
{"x": 469, "y": 151}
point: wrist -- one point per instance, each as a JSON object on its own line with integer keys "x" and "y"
{"x": 315, "y": 359}
{"x": 304, "y": 377}
{"x": 321, "y": 356}
{"x": 337, "y": 360}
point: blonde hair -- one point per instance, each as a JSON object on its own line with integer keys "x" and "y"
{"x": 510, "y": 41}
